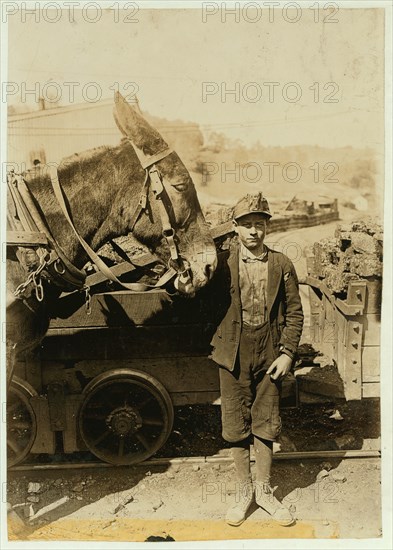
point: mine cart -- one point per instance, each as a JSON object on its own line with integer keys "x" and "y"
{"x": 107, "y": 382}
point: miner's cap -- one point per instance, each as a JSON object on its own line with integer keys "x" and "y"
{"x": 251, "y": 204}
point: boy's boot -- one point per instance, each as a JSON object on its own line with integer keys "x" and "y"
{"x": 264, "y": 493}
{"x": 245, "y": 495}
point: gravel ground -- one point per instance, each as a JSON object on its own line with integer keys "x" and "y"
{"x": 189, "y": 501}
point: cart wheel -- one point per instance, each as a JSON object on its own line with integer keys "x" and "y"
{"x": 126, "y": 416}
{"x": 21, "y": 421}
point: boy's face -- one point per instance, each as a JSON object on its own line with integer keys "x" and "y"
{"x": 251, "y": 230}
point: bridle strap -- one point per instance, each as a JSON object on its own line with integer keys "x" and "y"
{"x": 152, "y": 159}
{"x": 142, "y": 203}
{"x": 167, "y": 229}
{"x": 154, "y": 177}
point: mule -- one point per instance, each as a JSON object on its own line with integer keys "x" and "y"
{"x": 102, "y": 188}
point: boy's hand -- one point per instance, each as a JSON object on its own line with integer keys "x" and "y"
{"x": 280, "y": 367}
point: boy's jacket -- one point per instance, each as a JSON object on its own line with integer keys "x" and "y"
{"x": 284, "y": 308}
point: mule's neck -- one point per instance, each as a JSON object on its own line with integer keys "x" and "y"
{"x": 93, "y": 185}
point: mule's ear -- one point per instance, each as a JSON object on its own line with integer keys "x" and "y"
{"x": 122, "y": 130}
{"x": 144, "y": 138}
{"x": 116, "y": 112}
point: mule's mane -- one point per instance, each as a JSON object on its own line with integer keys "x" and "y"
{"x": 93, "y": 154}
{"x": 40, "y": 175}
{"x": 85, "y": 156}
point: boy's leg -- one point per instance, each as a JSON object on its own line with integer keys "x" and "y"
{"x": 244, "y": 495}
{"x": 263, "y": 492}
{"x": 263, "y": 449}
{"x": 236, "y": 400}
{"x": 266, "y": 426}
{"x": 241, "y": 458}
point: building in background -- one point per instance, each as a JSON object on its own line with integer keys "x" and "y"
{"x": 48, "y": 135}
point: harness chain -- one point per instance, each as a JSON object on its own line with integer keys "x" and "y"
{"x": 31, "y": 256}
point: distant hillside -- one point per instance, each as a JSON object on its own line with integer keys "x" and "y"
{"x": 223, "y": 171}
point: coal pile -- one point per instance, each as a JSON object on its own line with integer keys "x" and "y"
{"x": 216, "y": 214}
{"x": 354, "y": 253}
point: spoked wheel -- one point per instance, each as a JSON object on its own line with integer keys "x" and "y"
{"x": 21, "y": 421}
{"x": 126, "y": 416}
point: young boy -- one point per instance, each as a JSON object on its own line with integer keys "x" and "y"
{"x": 254, "y": 346}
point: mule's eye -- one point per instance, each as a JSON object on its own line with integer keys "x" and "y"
{"x": 181, "y": 187}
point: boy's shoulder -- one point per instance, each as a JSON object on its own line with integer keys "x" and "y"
{"x": 279, "y": 257}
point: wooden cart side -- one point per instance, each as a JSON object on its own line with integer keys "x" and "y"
{"x": 348, "y": 332}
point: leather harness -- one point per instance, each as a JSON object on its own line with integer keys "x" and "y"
{"x": 40, "y": 254}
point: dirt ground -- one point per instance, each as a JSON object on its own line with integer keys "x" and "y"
{"x": 187, "y": 495}
{"x": 188, "y": 502}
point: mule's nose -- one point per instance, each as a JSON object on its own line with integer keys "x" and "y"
{"x": 204, "y": 265}
{"x": 210, "y": 264}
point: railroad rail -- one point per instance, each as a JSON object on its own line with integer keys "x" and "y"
{"x": 215, "y": 459}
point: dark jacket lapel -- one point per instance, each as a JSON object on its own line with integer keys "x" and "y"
{"x": 233, "y": 264}
{"x": 274, "y": 279}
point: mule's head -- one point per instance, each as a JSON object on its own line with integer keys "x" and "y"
{"x": 174, "y": 205}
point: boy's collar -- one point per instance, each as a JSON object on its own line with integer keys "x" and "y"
{"x": 247, "y": 255}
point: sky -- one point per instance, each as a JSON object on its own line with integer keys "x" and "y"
{"x": 294, "y": 80}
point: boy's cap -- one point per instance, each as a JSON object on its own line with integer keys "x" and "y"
{"x": 250, "y": 204}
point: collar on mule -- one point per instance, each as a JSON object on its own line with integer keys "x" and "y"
{"x": 36, "y": 249}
